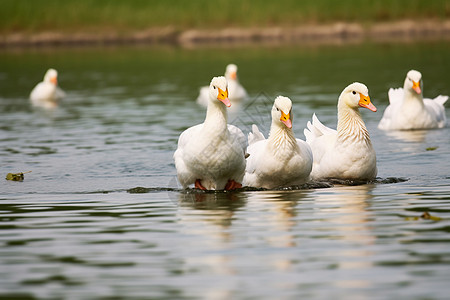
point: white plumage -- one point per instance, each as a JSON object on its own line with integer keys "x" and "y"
{"x": 236, "y": 91}
{"x": 345, "y": 153}
{"x": 281, "y": 160}
{"x": 408, "y": 110}
{"x": 211, "y": 155}
{"x": 47, "y": 94}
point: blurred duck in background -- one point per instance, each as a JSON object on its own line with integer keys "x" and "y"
{"x": 47, "y": 94}
{"x": 408, "y": 110}
{"x": 236, "y": 91}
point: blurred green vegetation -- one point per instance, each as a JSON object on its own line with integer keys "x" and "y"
{"x": 86, "y": 15}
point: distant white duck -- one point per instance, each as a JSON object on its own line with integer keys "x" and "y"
{"x": 47, "y": 93}
{"x": 235, "y": 89}
{"x": 211, "y": 155}
{"x": 345, "y": 153}
{"x": 281, "y": 160}
{"x": 408, "y": 110}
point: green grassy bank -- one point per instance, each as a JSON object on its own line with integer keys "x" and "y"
{"x": 123, "y": 16}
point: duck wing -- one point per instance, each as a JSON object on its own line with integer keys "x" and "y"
{"x": 436, "y": 108}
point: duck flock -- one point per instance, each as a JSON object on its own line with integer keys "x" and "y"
{"x": 215, "y": 155}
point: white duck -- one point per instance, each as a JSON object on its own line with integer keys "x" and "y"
{"x": 235, "y": 89}
{"x": 211, "y": 155}
{"x": 47, "y": 93}
{"x": 408, "y": 110}
{"x": 281, "y": 160}
{"x": 345, "y": 153}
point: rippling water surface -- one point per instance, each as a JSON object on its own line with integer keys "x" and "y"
{"x": 101, "y": 215}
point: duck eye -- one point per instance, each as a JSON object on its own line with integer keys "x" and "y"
{"x": 278, "y": 109}
{"x": 354, "y": 93}
{"x": 214, "y": 87}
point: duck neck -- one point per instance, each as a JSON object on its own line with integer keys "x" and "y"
{"x": 281, "y": 137}
{"x": 216, "y": 116}
{"x": 350, "y": 126}
{"x": 412, "y": 98}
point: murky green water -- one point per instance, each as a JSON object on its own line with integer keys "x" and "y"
{"x": 76, "y": 229}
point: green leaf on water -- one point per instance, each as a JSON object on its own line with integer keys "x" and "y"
{"x": 426, "y": 216}
{"x": 16, "y": 176}
{"x": 431, "y": 148}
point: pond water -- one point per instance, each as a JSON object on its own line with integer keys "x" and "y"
{"x": 78, "y": 227}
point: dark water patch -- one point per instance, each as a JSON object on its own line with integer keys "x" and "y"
{"x": 12, "y": 151}
{"x": 51, "y": 279}
{"x": 390, "y": 180}
{"x": 17, "y": 296}
{"x": 25, "y": 242}
{"x": 378, "y": 180}
{"x": 42, "y": 150}
{"x": 63, "y": 259}
{"x": 306, "y": 186}
{"x": 144, "y": 190}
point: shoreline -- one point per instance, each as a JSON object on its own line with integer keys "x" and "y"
{"x": 341, "y": 32}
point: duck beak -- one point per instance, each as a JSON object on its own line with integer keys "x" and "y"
{"x": 54, "y": 80}
{"x": 286, "y": 119}
{"x": 233, "y": 75}
{"x": 416, "y": 87}
{"x": 223, "y": 97}
{"x": 364, "y": 101}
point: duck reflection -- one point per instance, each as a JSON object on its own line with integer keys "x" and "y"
{"x": 415, "y": 136}
{"x": 207, "y": 217}
{"x": 345, "y": 210}
{"x": 280, "y": 208}
{"x": 216, "y": 208}
{"x": 279, "y": 219}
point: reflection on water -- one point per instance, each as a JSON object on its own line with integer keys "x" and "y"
{"x": 414, "y": 136}
{"x": 348, "y": 215}
{"x": 221, "y": 205}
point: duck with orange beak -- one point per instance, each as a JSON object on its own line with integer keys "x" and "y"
{"x": 408, "y": 110}
{"x": 47, "y": 94}
{"x": 236, "y": 92}
{"x": 281, "y": 160}
{"x": 345, "y": 153}
{"x": 211, "y": 155}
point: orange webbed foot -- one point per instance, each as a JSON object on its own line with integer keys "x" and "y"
{"x": 232, "y": 185}
{"x": 198, "y": 185}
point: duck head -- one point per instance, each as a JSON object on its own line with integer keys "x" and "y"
{"x": 282, "y": 111}
{"x": 356, "y": 95}
{"x": 51, "y": 76}
{"x": 413, "y": 82}
{"x": 218, "y": 90}
{"x": 231, "y": 72}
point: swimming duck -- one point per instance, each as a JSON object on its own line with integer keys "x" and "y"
{"x": 47, "y": 93}
{"x": 281, "y": 160}
{"x": 211, "y": 155}
{"x": 345, "y": 153}
{"x": 236, "y": 91}
{"x": 408, "y": 110}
